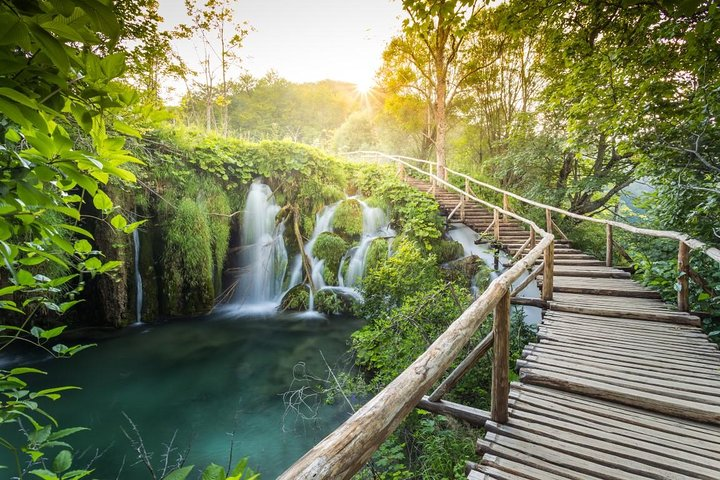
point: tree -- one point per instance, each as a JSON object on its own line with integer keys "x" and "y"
{"x": 57, "y": 89}
{"x": 444, "y": 29}
{"x": 215, "y": 22}
{"x": 150, "y": 56}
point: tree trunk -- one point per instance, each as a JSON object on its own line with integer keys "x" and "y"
{"x": 440, "y": 112}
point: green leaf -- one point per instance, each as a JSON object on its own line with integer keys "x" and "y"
{"x": 102, "y": 201}
{"x": 118, "y": 221}
{"x": 93, "y": 263}
{"x": 179, "y": 474}
{"x": 25, "y": 278}
{"x": 83, "y": 246}
{"x": 24, "y": 370}
{"x": 213, "y": 472}
{"x": 62, "y": 462}
{"x": 44, "y": 474}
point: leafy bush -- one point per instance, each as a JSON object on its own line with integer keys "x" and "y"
{"x": 330, "y": 248}
{"x": 377, "y": 254}
{"x": 348, "y": 219}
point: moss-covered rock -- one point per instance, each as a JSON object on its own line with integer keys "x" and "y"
{"x": 336, "y": 302}
{"x": 448, "y": 250}
{"x": 348, "y": 221}
{"x": 296, "y": 299}
{"x": 462, "y": 270}
{"x": 377, "y": 253}
{"x": 482, "y": 277}
{"x": 330, "y": 248}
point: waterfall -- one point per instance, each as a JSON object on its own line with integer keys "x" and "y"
{"x": 138, "y": 278}
{"x": 375, "y": 225}
{"x": 263, "y": 255}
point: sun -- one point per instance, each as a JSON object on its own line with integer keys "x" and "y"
{"x": 364, "y": 86}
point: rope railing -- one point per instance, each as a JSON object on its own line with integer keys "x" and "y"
{"x": 685, "y": 243}
{"x": 349, "y": 447}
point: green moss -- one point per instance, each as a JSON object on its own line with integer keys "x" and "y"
{"x": 297, "y": 298}
{"x": 347, "y": 221}
{"x": 448, "y": 250}
{"x": 482, "y": 277}
{"x": 336, "y": 303}
{"x": 330, "y": 248}
{"x": 188, "y": 260}
{"x": 377, "y": 253}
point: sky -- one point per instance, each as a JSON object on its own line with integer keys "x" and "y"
{"x": 307, "y": 40}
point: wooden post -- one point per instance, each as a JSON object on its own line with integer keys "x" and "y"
{"x": 501, "y": 361}
{"x": 434, "y": 182}
{"x": 548, "y": 221}
{"x": 464, "y": 200}
{"x": 401, "y": 172}
{"x": 506, "y": 206}
{"x": 608, "y": 245}
{"x": 532, "y": 239}
{"x": 547, "y": 291}
{"x": 683, "y": 275}
{"x": 496, "y": 222}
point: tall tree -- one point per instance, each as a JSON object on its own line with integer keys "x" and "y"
{"x": 444, "y": 29}
{"x": 221, "y": 38}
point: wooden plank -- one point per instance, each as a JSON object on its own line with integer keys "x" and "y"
{"x": 642, "y": 334}
{"x": 618, "y": 342}
{"x": 627, "y": 414}
{"x": 607, "y": 335}
{"x": 678, "y": 407}
{"x": 615, "y": 449}
{"x": 656, "y": 370}
{"x": 474, "y": 416}
{"x": 681, "y": 389}
{"x": 509, "y": 465}
{"x": 672, "y": 444}
{"x": 554, "y": 464}
{"x": 632, "y": 352}
{"x": 585, "y": 465}
{"x": 668, "y": 317}
{"x": 491, "y": 472}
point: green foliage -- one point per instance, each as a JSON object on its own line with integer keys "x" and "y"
{"x": 348, "y": 219}
{"x": 188, "y": 260}
{"x": 377, "y": 254}
{"x": 216, "y": 472}
{"x": 298, "y": 174}
{"x": 296, "y": 299}
{"x": 330, "y": 248}
{"x": 414, "y": 213}
{"x": 448, "y": 250}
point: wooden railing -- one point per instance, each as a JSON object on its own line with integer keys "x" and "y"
{"x": 685, "y": 243}
{"x": 344, "y": 451}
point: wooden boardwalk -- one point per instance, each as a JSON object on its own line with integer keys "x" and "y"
{"x": 619, "y": 386}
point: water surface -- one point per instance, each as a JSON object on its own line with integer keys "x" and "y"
{"x": 203, "y": 378}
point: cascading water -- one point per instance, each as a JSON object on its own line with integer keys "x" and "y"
{"x": 263, "y": 255}
{"x": 375, "y": 225}
{"x": 138, "y": 278}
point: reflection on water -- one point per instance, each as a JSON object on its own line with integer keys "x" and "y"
{"x": 205, "y": 378}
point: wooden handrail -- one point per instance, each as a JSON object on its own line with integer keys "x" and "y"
{"x": 344, "y": 451}
{"x": 692, "y": 243}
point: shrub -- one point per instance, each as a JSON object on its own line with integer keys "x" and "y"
{"x": 330, "y": 248}
{"x": 348, "y": 221}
